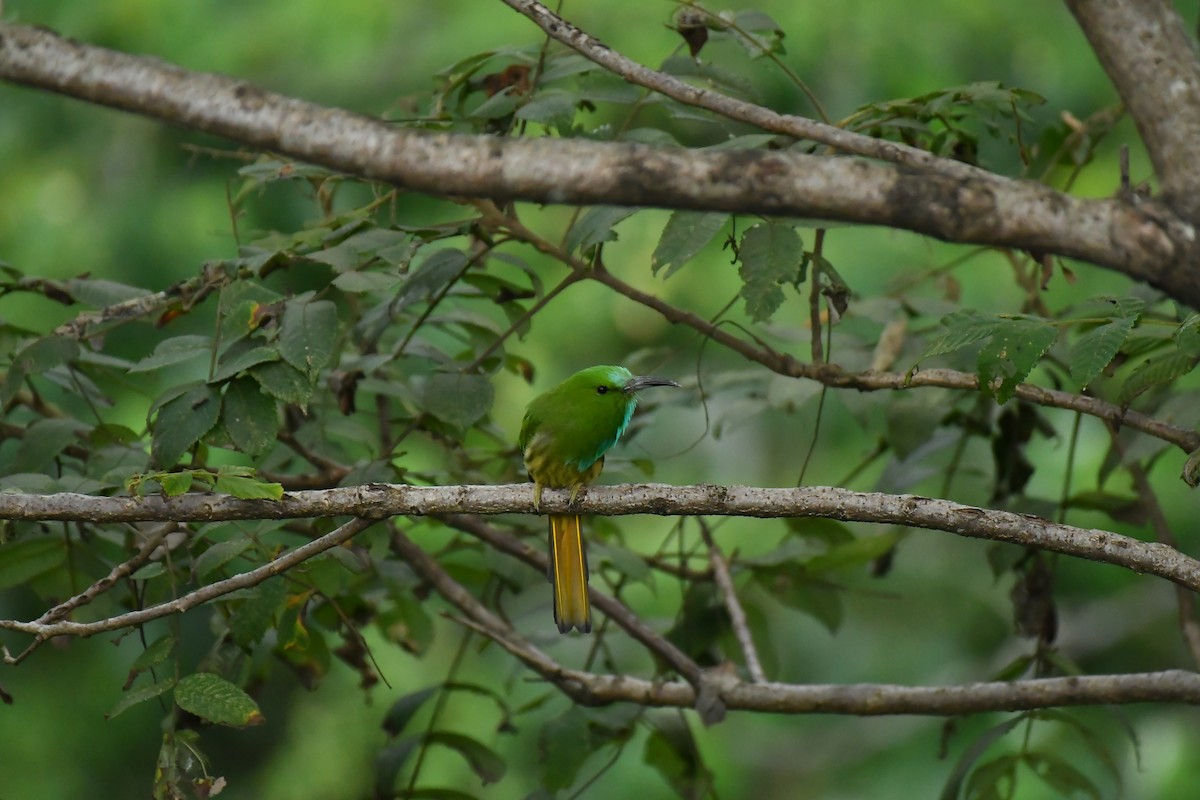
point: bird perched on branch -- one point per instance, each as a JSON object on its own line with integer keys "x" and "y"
{"x": 564, "y": 437}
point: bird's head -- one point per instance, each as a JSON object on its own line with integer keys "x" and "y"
{"x": 609, "y": 385}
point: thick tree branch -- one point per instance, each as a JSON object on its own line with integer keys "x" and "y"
{"x": 378, "y": 501}
{"x": 1145, "y": 242}
{"x": 1150, "y": 57}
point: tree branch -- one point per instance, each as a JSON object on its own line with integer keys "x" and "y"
{"x": 378, "y": 501}
{"x": 1150, "y": 57}
{"x": 785, "y": 124}
{"x": 1145, "y": 242}
{"x": 41, "y": 631}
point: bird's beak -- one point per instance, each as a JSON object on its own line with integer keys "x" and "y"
{"x": 643, "y": 381}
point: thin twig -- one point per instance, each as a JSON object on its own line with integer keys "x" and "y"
{"x": 737, "y": 615}
{"x": 43, "y": 631}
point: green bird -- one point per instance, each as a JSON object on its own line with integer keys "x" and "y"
{"x": 564, "y": 437}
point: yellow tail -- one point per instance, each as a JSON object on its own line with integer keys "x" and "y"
{"x": 569, "y": 574}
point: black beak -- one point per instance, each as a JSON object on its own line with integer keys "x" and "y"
{"x": 643, "y": 381}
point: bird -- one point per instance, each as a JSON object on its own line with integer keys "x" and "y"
{"x": 564, "y": 436}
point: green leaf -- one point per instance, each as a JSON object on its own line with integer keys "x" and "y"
{"x": 1011, "y": 353}
{"x": 155, "y": 653}
{"x": 851, "y": 554}
{"x": 246, "y": 488}
{"x": 1155, "y": 371}
{"x": 182, "y": 421}
{"x": 284, "y": 382}
{"x": 356, "y": 282}
{"x": 550, "y": 107}
{"x": 770, "y": 255}
{"x": 175, "y": 350}
{"x": 250, "y": 416}
{"x": 308, "y": 333}
{"x": 140, "y": 695}
{"x": 388, "y": 763}
{"x": 239, "y": 359}
{"x": 458, "y": 399}
{"x": 99, "y": 293}
{"x": 216, "y": 700}
{"x": 962, "y": 328}
{"x": 46, "y": 353}
{"x": 22, "y": 561}
{"x": 257, "y": 614}
{"x": 564, "y": 744}
{"x": 403, "y": 710}
{"x": 175, "y": 483}
{"x": 993, "y": 780}
{"x": 435, "y": 272}
{"x": 484, "y": 762}
{"x": 1096, "y": 348}
{"x": 596, "y": 226}
{"x": 672, "y": 751}
{"x": 953, "y": 787}
{"x": 1187, "y": 338}
{"x": 685, "y": 235}
{"x": 1061, "y": 776}
{"x": 42, "y": 443}
{"x": 218, "y": 555}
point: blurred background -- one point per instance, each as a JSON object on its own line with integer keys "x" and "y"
{"x": 86, "y": 190}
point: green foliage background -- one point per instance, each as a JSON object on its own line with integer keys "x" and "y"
{"x": 86, "y": 190}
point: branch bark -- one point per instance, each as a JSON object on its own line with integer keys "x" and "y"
{"x": 378, "y": 501}
{"x": 1148, "y": 54}
{"x": 1146, "y": 241}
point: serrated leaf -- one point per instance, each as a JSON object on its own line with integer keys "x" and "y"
{"x": 175, "y": 350}
{"x": 686, "y": 234}
{"x": 1155, "y": 371}
{"x": 307, "y": 334}
{"x": 484, "y": 762}
{"x": 439, "y": 269}
{"x": 459, "y": 399}
{"x": 240, "y": 359}
{"x": 182, "y": 421}
{"x": 564, "y": 744}
{"x": 1096, "y": 348}
{"x": 247, "y": 488}
{"x": 595, "y": 226}
{"x": 770, "y": 256}
{"x": 1012, "y": 352}
{"x": 216, "y": 700}
{"x": 250, "y": 417}
{"x": 140, "y": 695}
{"x": 285, "y": 382}
{"x": 25, "y": 560}
{"x": 962, "y": 328}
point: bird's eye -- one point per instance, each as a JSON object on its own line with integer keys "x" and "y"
{"x": 601, "y": 389}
